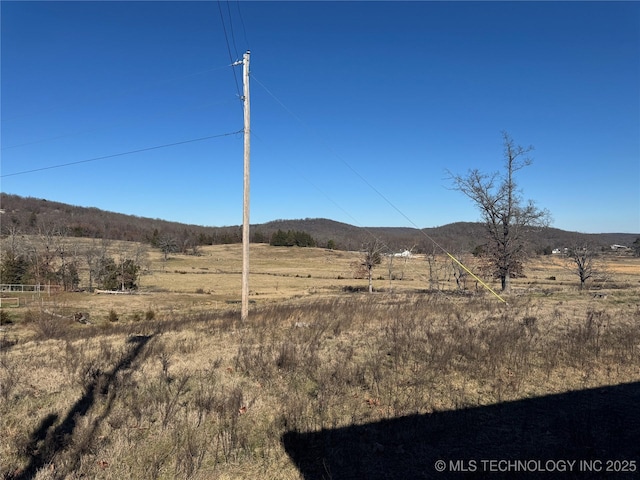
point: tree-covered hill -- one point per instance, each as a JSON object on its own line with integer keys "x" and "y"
{"x": 28, "y": 215}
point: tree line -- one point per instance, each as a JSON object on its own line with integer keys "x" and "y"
{"x": 53, "y": 258}
{"x": 28, "y": 214}
{"x": 292, "y": 238}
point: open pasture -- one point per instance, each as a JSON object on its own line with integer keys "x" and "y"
{"x": 211, "y": 280}
{"x": 322, "y": 381}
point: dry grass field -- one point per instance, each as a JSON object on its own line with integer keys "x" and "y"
{"x": 323, "y": 380}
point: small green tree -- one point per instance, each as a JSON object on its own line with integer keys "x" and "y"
{"x": 167, "y": 245}
{"x": 280, "y": 239}
{"x": 303, "y": 239}
{"x": 118, "y": 276}
{"x": 636, "y": 247}
{"x": 259, "y": 237}
{"x": 14, "y": 269}
{"x": 106, "y": 273}
{"x": 128, "y": 274}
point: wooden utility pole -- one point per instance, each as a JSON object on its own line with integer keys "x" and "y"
{"x": 244, "y": 314}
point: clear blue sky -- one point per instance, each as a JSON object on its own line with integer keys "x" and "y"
{"x": 358, "y": 109}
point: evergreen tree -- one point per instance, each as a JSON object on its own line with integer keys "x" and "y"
{"x": 14, "y": 269}
{"x": 122, "y": 276}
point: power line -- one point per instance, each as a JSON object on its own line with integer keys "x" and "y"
{"x": 244, "y": 31}
{"x": 226, "y": 38}
{"x": 130, "y": 152}
{"x": 233, "y": 37}
{"x": 381, "y": 195}
{"x": 114, "y": 124}
{"x": 337, "y": 205}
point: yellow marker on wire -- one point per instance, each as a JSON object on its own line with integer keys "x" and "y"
{"x": 474, "y": 276}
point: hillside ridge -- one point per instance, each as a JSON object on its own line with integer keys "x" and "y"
{"x": 29, "y": 215}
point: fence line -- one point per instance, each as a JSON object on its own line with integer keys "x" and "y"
{"x": 6, "y": 299}
{"x": 13, "y": 287}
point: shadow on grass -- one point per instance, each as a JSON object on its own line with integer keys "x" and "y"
{"x": 46, "y": 442}
{"x": 600, "y": 427}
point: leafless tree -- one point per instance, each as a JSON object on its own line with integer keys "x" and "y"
{"x": 435, "y": 268}
{"x": 507, "y": 218}
{"x": 460, "y": 273}
{"x": 584, "y": 261}
{"x": 12, "y": 243}
{"x": 42, "y": 252}
{"x": 371, "y": 256}
{"x": 140, "y": 257}
{"x": 390, "y": 269}
{"x": 92, "y": 257}
{"x": 68, "y": 254}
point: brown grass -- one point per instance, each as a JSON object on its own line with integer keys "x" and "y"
{"x": 193, "y": 393}
{"x": 211, "y": 281}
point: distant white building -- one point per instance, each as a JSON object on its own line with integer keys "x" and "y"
{"x": 405, "y": 254}
{"x": 619, "y": 247}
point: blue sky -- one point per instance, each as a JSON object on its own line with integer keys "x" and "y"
{"x": 358, "y": 109}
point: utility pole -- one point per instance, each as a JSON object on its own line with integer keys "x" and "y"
{"x": 244, "y": 313}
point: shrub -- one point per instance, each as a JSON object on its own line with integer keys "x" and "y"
{"x": 113, "y": 316}
{"x": 5, "y": 318}
{"x": 45, "y": 325}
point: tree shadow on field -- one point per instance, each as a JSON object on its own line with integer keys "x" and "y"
{"x": 600, "y": 427}
{"x": 45, "y": 443}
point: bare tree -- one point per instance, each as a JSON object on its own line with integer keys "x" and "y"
{"x": 507, "y": 218}
{"x": 92, "y": 257}
{"x": 12, "y": 241}
{"x": 460, "y": 273}
{"x": 390, "y": 269}
{"x": 371, "y": 257}
{"x": 67, "y": 251}
{"x": 140, "y": 257}
{"x": 584, "y": 262}
{"x": 435, "y": 269}
{"x": 42, "y": 252}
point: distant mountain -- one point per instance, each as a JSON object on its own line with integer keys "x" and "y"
{"x": 31, "y": 215}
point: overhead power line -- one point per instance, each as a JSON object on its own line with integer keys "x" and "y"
{"x": 114, "y": 124}
{"x": 244, "y": 31}
{"x": 381, "y": 195}
{"x": 130, "y": 152}
{"x": 233, "y": 36}
{"x": 226, "y": 38}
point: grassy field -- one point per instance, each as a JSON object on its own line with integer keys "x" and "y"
{"x": 211, "y": 281}
{"x": 322, "y": 379}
